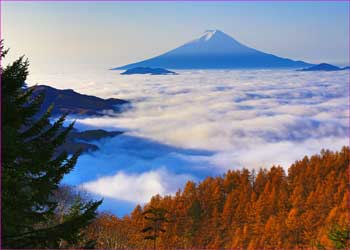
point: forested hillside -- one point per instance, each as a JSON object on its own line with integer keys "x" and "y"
{"x": 244, "y": 209}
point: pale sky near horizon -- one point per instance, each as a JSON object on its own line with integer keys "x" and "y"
{"x": 109, "y": 34}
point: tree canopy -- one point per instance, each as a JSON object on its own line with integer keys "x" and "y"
{"x": 243, "y": 209}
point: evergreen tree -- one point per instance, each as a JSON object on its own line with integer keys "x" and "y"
{"x": 340, "y": 237}
{"x": 31, "y": 167}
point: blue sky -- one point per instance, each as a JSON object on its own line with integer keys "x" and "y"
{"x": 108, "y": 34}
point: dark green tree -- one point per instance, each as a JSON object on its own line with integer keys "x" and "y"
{"x": 195, "y": 214}
{"x": 156, "y": 217}
{"x": 31, "y": 167}
{"x": 340, "y": 237}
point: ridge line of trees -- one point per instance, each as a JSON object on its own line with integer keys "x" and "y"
{"x": 244, "y": 209}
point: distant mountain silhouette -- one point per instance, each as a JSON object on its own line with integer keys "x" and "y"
{"x": 147, "y": 70}
{"x": 83, "y": 140}
{"x": 323, "y": 67}
{"x": 67, "y": 100}
{"x": 216, "y": 50}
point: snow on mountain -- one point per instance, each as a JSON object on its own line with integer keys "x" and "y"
{"x": 216, "y": 50}
{"x": 213, "y": 42}
{"x": 208, "y": 34}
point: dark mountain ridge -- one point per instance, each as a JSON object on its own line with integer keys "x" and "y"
{"x": 323, "y": 67}
{"x": 67, "y": 100}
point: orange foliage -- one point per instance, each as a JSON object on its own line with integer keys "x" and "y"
{"x": 245, "y": 210}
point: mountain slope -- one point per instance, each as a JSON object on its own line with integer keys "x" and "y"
{"x": 216, "y": 50}
{"x": 151, "y": 71}
{"x": 67, "y": 100}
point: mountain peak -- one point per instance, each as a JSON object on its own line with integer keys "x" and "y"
{"x": 215, "y": 49}
{"x": 212, "y": 34}
{"x": 208, "y": 34}
{"x": 213, "y": 42}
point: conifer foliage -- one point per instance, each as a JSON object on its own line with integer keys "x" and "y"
{"x": 32, "y": 169}
{"x": 156, "y": 218}
{"x": 306, "y": 209}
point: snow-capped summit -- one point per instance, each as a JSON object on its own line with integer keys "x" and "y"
{"x": 211, "y": 34}
{"x": 215, "y": 49}
{"x": 213, "y": 42}
{"x": 208, "y": 34}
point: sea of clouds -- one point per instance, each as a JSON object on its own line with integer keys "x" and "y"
{"x": 200, "y": 123}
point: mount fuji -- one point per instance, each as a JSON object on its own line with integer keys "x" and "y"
{"x": 216, "y": 50}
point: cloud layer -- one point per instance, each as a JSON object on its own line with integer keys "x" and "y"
{"x": 135, "y": 187}
{"x": 200, "y": 123}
